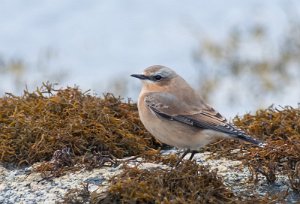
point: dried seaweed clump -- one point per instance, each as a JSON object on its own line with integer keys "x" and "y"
{"x": 189, "y": 183}
{"x": 77, "y": 196}
{"x": 37, "y": 124}
{"x": 280, "y": 129}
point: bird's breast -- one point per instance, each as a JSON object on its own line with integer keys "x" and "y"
{"x": 171, "y": 132}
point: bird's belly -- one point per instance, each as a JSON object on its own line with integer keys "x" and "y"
{"x": 175, "y": 133}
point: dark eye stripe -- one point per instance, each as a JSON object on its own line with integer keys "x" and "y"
{"x": 156, "y": 77}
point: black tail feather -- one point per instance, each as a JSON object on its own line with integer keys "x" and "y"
{"x": 247, "y": 138}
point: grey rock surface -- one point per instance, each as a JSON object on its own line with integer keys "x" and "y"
{"x": 27, "y": 186}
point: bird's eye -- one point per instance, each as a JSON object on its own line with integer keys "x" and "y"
{"x": 157, "y": 77}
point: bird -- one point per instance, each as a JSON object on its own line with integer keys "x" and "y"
{"x": 175, "y": 113}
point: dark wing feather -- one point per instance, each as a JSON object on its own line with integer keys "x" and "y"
{"x": 205, "y": 119}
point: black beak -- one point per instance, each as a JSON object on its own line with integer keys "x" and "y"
{"x": 140, "y": 76}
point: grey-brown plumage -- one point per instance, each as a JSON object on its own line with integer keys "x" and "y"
{"x": 175, "y": 113}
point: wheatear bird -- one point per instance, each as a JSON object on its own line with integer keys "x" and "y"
{"x": 175, "y": 114}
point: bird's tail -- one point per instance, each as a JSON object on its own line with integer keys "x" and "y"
{"x": 247, "y": 138}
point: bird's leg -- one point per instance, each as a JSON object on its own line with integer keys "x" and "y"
{"x": 193, "y": 153}
{"x": 183, "y": 155}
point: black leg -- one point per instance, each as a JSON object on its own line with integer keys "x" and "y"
{"x": 193, "y": 153}
{"x": 183, "y": 155}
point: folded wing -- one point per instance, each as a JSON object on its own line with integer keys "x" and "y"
{"x": 169, "y": 107}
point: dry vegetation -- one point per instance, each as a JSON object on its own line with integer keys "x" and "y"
{"x": 37, "y": 124}
{"x": 280, "y": 129}
{"x": 66, "y": 127}
{"x": 189, "y": 183}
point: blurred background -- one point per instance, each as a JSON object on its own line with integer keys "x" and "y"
{"x": 240, "y": 55}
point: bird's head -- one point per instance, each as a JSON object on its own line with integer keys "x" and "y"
{"x": 156, "y": 76}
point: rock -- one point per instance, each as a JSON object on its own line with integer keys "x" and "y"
{"x": 18, "y": 187}
{"x": 26, "y": 186}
